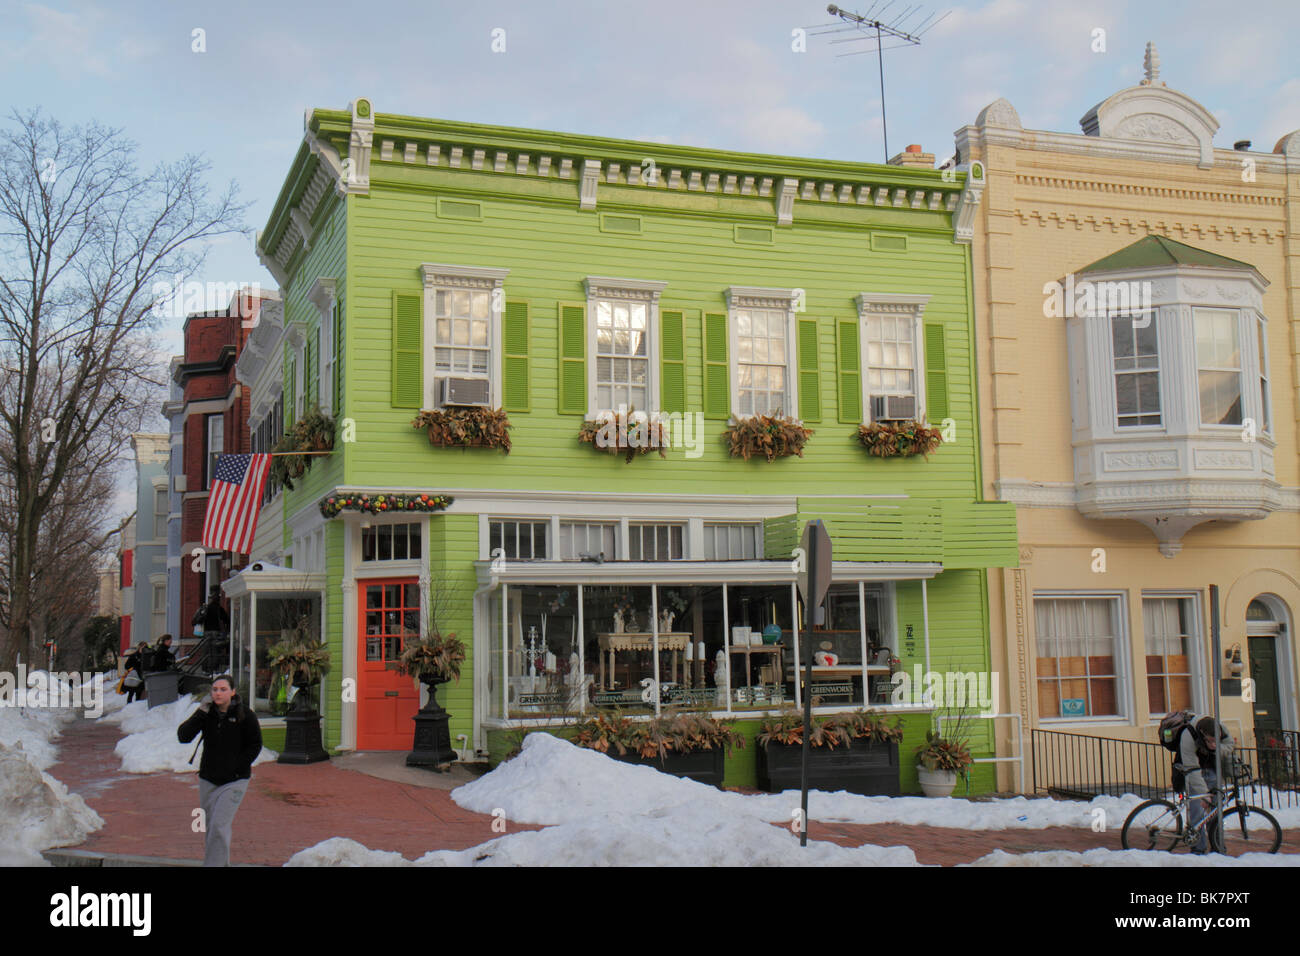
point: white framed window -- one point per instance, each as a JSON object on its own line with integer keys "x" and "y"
{"x": 732, "y": 542}
{"x": 391, "y": 542}
{"x": 587, "y": 537}
{"x": 518, "y": 540}
{"x": 656, "y": 542}
{"x": 1136, "y": 357}
{"x": 462, "y": 326}
{"x": 323, "y": 296}
{"x": 1171, "y": 629}
{"x": 160, "y": 513}
{"x": 892, "y": 355}
{"x": 1081, "y": 654}
{"x": 761, "y": 343}
{"x": 622, "y": 341}
{"x": 159, "y": 598}
{"x": 216, "y": 425}
{"x": 1265, "y": 408}
{"x": 1218, "y": 366}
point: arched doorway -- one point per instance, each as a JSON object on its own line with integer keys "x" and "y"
{"x": 1266, "y": 646}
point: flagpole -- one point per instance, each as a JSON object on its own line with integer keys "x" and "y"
{"x": 277, "y": 454}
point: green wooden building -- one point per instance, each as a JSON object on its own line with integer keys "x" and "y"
{"x": 455, "y": 269}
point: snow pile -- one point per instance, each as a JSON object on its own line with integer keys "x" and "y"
{"x": 614, "y": 814}
{"x": 113, "y": 701}
{"x": 39, "y": 812}
{"x": 552, "y": 782}
{"x": 33, "y": 729}
{"x": 1101, "y": 857}
{"x": 150, "y": 744}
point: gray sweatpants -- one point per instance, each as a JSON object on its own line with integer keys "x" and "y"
{"x": 219, "y": 805}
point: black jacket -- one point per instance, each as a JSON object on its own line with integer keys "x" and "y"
{"x": 231, "y": 742}
{"x": 213, "y": 617}
{"x": 163, "y": 658}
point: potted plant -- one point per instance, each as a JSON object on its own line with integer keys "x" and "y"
{"x": 313, "y": 432}
{"x": 694, "y": 746}
{"x": 433, "y": 660}
{"x": 302, "y": 661}
{"x": 467, "y": 426}
{"x": 857, "y": 752}
{"x": 899, "y": 439}
{"x": 939, "y": 761}
{"x": 772, "y": 436}
{"x": 630, "y": 434}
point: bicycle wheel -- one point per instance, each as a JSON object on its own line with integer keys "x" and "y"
{"x": 1247, "y": 830}
{"x": 1154, "y": 825}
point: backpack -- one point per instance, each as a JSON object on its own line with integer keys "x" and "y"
{"x": 1172, "y": 727}
{"x": 146, "y": 660}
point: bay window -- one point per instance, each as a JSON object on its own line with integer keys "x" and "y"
{"x": 1218, "y": 366}
{"x": 1137, "y": 370}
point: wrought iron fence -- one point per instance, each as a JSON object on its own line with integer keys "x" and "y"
{"x": 1081, "y": 766}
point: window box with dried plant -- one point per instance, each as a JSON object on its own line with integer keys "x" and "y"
{"x": 899, "y": 439}
{"x": 772, "y": 436}
{"x": 468, "y": 426}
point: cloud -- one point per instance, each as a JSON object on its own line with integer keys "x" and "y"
{"x": 70, "y": 42}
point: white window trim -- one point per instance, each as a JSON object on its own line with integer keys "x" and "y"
{"x": 1201, "y": 677}
{"x": 1161, "y": 371}
{"x": 893, "y": 304}
{"x": 449, "y": 278}
{"x": 323, "y": 295}
{"x": 1246, "y": 348}
{"x": 1124, "y": 692}
{"x": 756, "y": 297}
{"x": 634, "y": 290}
{"x": 217, "y": 417}
{"x": 1266, "y": 397}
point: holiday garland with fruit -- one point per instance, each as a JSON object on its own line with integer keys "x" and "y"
{"x": 383, "y": 503}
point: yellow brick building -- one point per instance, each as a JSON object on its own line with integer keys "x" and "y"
{"x": 1138, "y": 326}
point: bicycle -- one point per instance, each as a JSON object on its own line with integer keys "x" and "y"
{"x": 1159, "y": 825}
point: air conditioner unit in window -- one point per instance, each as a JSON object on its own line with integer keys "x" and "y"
{"x": 893, "y": 408}
{"x": 464, "y": 391}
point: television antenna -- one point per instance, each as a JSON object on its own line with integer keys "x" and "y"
{"x": 896, "y": 29}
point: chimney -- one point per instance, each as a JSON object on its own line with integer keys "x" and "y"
{"x": 913, "y": 157}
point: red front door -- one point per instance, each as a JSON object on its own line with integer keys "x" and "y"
{"x": 390, "y": 612}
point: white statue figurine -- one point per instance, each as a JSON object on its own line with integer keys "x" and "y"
{"x": 618, "y": 621}
{"x": 721, "y": 678}
{"x": 666, "y": 620}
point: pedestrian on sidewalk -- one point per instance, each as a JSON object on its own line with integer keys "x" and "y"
{"x": 232, "y": 739}
{"x": 133, "y": 679}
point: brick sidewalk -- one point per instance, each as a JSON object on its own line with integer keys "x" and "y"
{"x": 286, "y": 809}
{"x": 289, "y": 808}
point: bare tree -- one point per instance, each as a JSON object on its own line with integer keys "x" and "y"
{"x": 84, "y": 239}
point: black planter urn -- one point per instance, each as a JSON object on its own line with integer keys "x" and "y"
{"x": 432, "y": 748}
{"x": 867, "y": 767}
{"x": 302, "y": 740}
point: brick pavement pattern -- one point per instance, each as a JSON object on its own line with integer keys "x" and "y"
{"x": 290, "y": 808}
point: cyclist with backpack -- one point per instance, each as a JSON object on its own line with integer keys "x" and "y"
{"x": 1195, "y": 743}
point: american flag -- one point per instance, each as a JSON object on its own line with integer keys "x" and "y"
{"x": 233, "y": 502}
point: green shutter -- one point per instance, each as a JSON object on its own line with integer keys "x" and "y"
{"x": 573, "y": 359}
{"x": 408, "y": 364}
{"x": 290, "y": 376}
{"x": 672, "y": 362}
{"x": 514, "y": 361}
{"x": 936, "y": 373}
{"x": 338, "y": 359}
{"x": 311, "y": 375}
{"x": 810, "y": 401}
{"x": 850, "y": 374}
{"x": 717, "y": 389}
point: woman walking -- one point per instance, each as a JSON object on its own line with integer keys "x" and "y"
{"x": 232, "y": 739}
{"x": 133, "y": 678}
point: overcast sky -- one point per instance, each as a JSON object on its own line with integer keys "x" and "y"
{"x": 713, "y": 73}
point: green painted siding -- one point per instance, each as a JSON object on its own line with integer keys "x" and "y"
{"x": 453, "y": 547}
{"x": 332, "y": 688}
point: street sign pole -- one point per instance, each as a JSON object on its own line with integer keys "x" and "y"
{"x": 813, "y": 583}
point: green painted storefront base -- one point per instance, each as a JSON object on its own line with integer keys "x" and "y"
{"x": 742, "y": 765}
